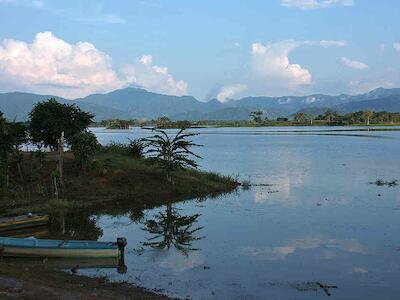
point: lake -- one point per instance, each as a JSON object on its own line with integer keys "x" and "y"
{"x": 315, "y": 220}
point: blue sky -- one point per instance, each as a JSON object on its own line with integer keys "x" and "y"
{"x": 224, "y": 49}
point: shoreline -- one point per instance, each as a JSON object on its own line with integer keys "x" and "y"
{"x": 36, "y": 281}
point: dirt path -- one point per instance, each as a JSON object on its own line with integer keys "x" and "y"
{"x": 30, "y": 282}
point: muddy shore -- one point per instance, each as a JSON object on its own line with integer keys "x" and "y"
{"x": 33, "y": 282}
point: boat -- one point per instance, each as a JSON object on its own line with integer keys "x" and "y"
{"x": 28, "y": 247}
{"x": 35, "y": 232}
{"x": 68, "y": 263}
{"x": 25, "y": 221}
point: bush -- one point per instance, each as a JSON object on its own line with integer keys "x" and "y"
{"x": 84, "y": 147}
{"x": 115, "y": 148}
{"x": 136, "y": 148}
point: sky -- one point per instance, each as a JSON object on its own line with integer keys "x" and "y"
{"x": 224, "y": 49}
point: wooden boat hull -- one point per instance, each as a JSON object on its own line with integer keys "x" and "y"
{"x": 15, "y": 247}
{"x": 67, "y": 263}
{"x": 59, "y": 253}
{"x": 21, "y": 222}
{"x": 39, "y": 231}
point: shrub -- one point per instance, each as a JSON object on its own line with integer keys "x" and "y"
{"x": 84, "y": 147}
{"x": 136, "y": 148}
{"x": 115, "y": 148}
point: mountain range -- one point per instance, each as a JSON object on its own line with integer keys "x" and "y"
{"x": 136, "y": 103}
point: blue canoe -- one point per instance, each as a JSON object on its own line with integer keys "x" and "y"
{"x": 16, "y": 247}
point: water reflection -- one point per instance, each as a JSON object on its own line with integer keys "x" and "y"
{"x": 170, "y": 228}
{"x": 307, "y": 243}
{"x": 74, "y": 226}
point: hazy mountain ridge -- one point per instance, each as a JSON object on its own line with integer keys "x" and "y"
{"x": 138, "y": 103}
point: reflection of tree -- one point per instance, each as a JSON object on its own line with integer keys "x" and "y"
{"x": 136, "y": 215}
{"x": 170, "y": 228}
{"x": 74, "y": 226}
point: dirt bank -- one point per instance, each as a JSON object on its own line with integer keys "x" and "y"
{"x": 33, "y": 282}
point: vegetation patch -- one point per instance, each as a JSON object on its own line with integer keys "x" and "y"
{"x": 380, "y": 182}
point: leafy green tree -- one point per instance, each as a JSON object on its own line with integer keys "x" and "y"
{"x": 256, "y": 116}
{"x": 172, "y": 152}
{"x": 310, "y": 118}
{"x": 330, "y": 115}
{"x": 368, "y": 115}
{"x": 84, "y": 145}
{"x": 5, "y": 149}
{"x": 300, "y": 117}
{"x": 49, "y": 118}
{"x": 118, "y": 124}
{"x": 163, "y": 122}
{"x": 12, "y": 136}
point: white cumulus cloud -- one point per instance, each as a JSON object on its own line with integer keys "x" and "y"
{"x": 315, "y": 4}
{"x": 353, "y": 64}
{"x": 51, "y": 65}
{"x": 227, "y": 92}
{"x": 271, "y": 62}
{"x": 153, "y": 77}
{"x": 271, "y": 70}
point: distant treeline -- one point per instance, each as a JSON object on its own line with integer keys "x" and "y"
{"x": 256, "y": 118}
{"x": 162, "y": 122}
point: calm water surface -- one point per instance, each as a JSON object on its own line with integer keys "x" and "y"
{"x": 320, "y": 220}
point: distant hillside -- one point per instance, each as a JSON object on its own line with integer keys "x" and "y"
{"x": 139, "y": 103}
{"x": 18, "y": 105}
{"x": 389, "y": 104}
{"x": 135, "y": 103}
{"x": 313, "y": 110}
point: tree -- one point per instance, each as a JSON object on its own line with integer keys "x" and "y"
{"x": 310, "y": 117}
{"x": 50, "y": 118}
{"x": 12, "y": 136}
{"x": 172, "y": 152}
{"x": 368, "y": 115}
{"x": 136, "y": 148}
{"x": 84, "y": 145}
{"x": 163, "y": 122}
{"x": 330, "y": 115}
{"x": 300, "y": 117}
{"x": 257, "y": 116}
{"x": 5, "y": 149}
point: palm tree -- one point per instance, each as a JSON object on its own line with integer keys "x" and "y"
{"x": 172, "y": 152}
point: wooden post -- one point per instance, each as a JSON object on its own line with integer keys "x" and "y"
{"x": 61, "y": 153}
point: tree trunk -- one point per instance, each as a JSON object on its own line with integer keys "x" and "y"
{"x": 61, "y": 154}
{"x": 55, "y": 187}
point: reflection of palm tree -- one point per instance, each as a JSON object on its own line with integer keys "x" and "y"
{"x": 171, "y": 228}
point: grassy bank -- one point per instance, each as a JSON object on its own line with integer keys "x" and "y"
{"x": 112, "y": 177}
